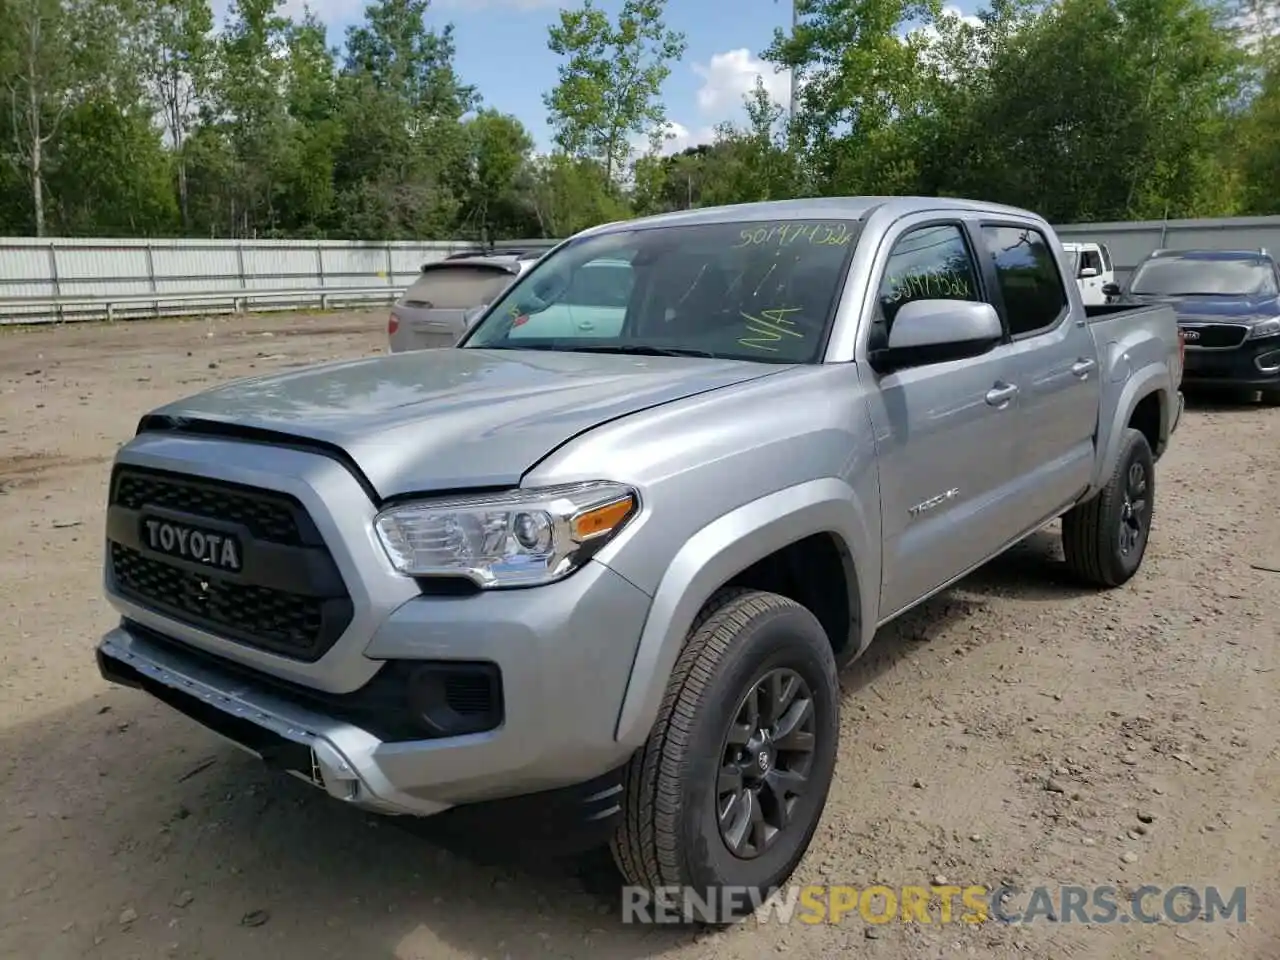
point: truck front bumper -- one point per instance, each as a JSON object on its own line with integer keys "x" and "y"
{"x": 563, "y": 653}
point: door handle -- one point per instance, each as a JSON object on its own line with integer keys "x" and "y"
{"x": 998, "y": 396}
{"x": 586, "y": 325}
{"x": 1082, "y": 368}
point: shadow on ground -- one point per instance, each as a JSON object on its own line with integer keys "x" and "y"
{"x": 145, "y": 809}
{"x": 1031, "y": 570}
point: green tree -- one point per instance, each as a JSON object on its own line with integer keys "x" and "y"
{"x": 1123, "y": 106}
{"x": 113, "y": 175}
{"x": 863, "y": 88}
{"x": 173, "y": 40}
{"x": 404, "y": 152}
{"x": 569, "y": 194}
{"x": 248, "y": 104}
{"x": 37, "y": 62}
{"x": 610, "y": 84}
{"x": 499, "y": 150}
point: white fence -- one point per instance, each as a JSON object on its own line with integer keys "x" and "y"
{"x": 51, "y": 273}
{"x": 72, "y": 279}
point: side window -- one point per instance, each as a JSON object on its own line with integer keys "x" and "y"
{"x": 1029, "y": 279}
{"x": 1106, "y": 256}
{"x": 929, "y": 263}
{"x": 1090, "y": 260}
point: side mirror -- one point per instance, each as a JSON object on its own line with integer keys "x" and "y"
{"x": 1086, "y": 272}
{"x": 935, "y": 331}
{"x": 1111, "y": 289}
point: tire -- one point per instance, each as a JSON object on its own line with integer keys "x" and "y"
{"x": 671, "y": 832}
{"x": 1270, "y": 398}
{"x": 1098, "y": 552}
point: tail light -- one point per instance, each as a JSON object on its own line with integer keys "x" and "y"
{"x": 393, "y": 324}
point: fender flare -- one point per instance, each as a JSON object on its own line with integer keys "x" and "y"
{"x": 1153, "y": 380}
{"x": 724, "y": 548}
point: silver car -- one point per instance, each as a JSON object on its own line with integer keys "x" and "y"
{"x": 448, "y": 293}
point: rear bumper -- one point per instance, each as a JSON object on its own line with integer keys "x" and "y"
{"x": 1251, "y": 365}
{"x": 419, "y": 328}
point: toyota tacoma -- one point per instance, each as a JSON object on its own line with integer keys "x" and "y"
{"x": 606, "y": 575}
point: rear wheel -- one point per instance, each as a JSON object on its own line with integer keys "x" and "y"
{"x": 1105, "y": 538}
{"x": 724, "y": 798}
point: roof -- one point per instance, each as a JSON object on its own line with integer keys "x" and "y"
{"x": 503, "y": 264}
{"x": 1213, "y": 254}
{"x": 810, "y": 208}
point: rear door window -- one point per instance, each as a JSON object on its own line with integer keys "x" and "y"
{"x": 1033, "y": 296}
{"x": 457, "y": 287}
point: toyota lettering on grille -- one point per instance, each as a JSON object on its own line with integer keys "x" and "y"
{"x": 1191, "y": 335}
{"x": 207, "y": 547}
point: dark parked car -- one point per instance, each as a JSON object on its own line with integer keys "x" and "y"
{"x": 1228, "y": 306}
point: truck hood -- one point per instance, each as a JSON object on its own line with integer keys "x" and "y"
{"x": 434, "y": 420}
{"x": 1227, "y": 309}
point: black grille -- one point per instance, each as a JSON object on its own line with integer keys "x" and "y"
{"x": 269, "y": 518}
{"x": 469, "y": 695}
{"x": 1216, "y": 335}
{"x": 243, "y": 612}
{"x": 288, "y": 598}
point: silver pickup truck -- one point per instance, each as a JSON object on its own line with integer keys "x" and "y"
{"x": 596, "y": 587}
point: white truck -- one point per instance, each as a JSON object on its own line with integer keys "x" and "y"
{"x": 1090, "y": 263}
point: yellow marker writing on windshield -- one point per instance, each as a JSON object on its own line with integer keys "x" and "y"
{"x": 768, "y": 328}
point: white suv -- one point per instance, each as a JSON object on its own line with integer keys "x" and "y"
{"x": 449, "y": 293}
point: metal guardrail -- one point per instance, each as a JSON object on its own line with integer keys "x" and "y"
{"x": 90, "y": 306}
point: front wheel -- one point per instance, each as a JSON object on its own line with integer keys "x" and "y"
{"x": 1105, "y": 538}
{"x": 723, "y": 800}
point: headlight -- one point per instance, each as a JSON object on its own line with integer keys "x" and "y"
{"x": 519, "y": 538}
{"x": 1267, "y": 328}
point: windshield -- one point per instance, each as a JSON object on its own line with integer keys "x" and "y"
{"x": 762, "y": 291}
{"x": 1191, "y": 276}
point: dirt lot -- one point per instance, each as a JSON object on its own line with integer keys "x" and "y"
{"x": 1015, "y": 729}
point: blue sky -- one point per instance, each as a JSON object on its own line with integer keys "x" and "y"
{"x": 502, "y": 49}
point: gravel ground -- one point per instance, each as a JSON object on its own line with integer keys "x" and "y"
{"x": 1015, "y": 729}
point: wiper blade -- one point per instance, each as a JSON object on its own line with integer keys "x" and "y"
{"x": 643, "y": 350}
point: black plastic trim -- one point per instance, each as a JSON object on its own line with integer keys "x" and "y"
{"x": 195, "y": 427}
{"x": 286, "y": 564}
{"x": 380, "y": 707}
{"x": 302, "y": 571}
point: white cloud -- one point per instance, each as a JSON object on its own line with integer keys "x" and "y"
{"x": 678, "y": 137}
{"x": 930, "y": 34}
{"x": 728, "y": 77}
